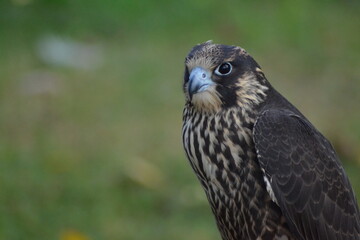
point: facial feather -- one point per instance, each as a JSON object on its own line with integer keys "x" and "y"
{"x": 208, "y": 101}
{"x": 245, "y": 86}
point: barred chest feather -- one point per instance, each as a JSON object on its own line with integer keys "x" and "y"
{"x": 221, "y": 151}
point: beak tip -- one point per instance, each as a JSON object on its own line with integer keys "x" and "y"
{"x": 199, "y": 80}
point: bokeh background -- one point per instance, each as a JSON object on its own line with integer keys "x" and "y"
{"x": 91, "y": 105}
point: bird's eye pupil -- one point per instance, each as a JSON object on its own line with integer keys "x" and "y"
{"x": 224, "y": 69}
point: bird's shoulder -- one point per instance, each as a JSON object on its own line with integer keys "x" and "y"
{"x": 305, "y": 175}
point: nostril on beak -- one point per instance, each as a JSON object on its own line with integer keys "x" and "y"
{"x": 199, "y": 81}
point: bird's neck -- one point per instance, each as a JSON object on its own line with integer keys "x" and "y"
{"x": 221, "y": 151}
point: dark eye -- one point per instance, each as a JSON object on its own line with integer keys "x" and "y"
{"x": 223, "y": 69}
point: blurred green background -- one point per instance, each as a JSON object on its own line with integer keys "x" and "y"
{"x": 91, "y": 106}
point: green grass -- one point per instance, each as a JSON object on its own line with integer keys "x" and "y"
{"x": 100, "y": 154}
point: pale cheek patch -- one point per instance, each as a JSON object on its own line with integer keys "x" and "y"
{"x": 250, "y": 91}
{"x": 207, "y": 101}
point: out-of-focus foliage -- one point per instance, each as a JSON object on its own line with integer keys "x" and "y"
{"x": 91, "y": 105}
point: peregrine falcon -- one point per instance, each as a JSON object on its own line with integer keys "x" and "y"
{"x": 267, "y": 172}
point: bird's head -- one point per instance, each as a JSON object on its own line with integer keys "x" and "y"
{"x": 219, "y": 76}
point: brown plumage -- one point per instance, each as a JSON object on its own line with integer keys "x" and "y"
{"x": 266, "y": 171}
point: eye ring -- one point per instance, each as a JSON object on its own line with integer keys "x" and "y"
{"x": 223, "y": 69}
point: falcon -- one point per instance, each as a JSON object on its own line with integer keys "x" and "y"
{"x": 267, "y": 172}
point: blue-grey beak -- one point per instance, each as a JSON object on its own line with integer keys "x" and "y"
{"x": 199, "y": 81}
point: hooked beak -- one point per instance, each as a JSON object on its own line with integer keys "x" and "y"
{"x": 199, "y": 81}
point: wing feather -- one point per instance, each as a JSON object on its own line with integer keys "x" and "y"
{"x": 306, "y": 177}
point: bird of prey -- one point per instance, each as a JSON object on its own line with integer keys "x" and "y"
{"x": 267, "y": 172}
